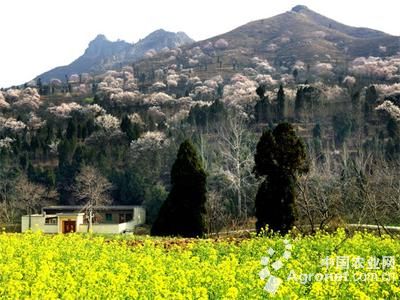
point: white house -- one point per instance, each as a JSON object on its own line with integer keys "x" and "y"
{"x": 68, "y": 218}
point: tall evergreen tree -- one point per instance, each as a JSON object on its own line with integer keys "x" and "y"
{"x": 317, "y": 143}
{"x": 307, "y": 102}
{"x": 299, "y": 103}
{"x": 295, "y": 74}
{"x": 393, "y": 128}
{"x": 182, "y": 213}
{"x": 72, "y": 131}
{"x": 132, "y": 131}
{"x": 263, "y": 111}
{"x": 371, "y": 96}
{"x": 280, "y": 156}
{"x": 281, "y": 104}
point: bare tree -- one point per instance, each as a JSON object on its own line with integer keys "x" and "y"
{"x": 319, "y": 196}
{"x": 8, "y": 213}
{"x": 390, "y": 191}
{"x": 236, "y": 151}
{"x": 7, "y": 203}
{"x": 92, "y": 189}
{"x": 30, "y": 196}
{"x": 217, "y": 215}
{"x": 381, "y": 190}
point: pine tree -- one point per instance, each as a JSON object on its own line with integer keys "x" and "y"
{"x": 182, "y": 213}
{"x": 262, "y": 108}
{"x": 371, "y": 95}
{"x": 295, "y": 74}
{"x": 280, "y": 156}
{"x": 316, "y": 131}
{"x": 299, "y": 104}
{"x": 317, "y": 143}
{"x": 132, "y": 131}
{"x": 393, "y": 129}
{"x": 281, "y": 104}
{"x": 72, "y": 131}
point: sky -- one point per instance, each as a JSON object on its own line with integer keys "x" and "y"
{"x": 36, "y": 36}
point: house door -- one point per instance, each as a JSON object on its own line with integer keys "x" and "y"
{"x": 69, "y": 226}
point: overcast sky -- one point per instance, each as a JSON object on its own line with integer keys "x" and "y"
{"x": 42, "y": 34}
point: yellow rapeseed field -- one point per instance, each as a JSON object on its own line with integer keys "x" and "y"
{"x": 322, "y": 266}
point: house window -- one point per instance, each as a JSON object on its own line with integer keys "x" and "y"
{"x": 109, "y": 217}
{"x": 51, "y": 221}
{"x": 128, "y": 217}
{"x": 122, "y": 218}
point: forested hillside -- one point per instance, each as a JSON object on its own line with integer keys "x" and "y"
{"x": 128, "y": 123}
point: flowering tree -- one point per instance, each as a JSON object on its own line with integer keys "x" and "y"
{"x": 381, "y": 68}
{"x": 158, "y": 86}
{"x": 64, "y": 110}
{"x": 156, "y": 115}
{"x": 11, "y": 124}
{"x": 150, "y": 53}
{"x": 149, "y": 141}
{"x": 3, "y": 102}
{"x": 28, "y": 98}
{"x": 349, "y": 81}
{"x": 108, "y": 122}
{"x": 151, "y": 149}
{"x": 262, "y": 65}
{"x": 390, "y": 108}
{"x": 387, "y": 89}
{"x": 6, "y": 142}
{"x": 241, "y": 92}
{"x": 221, "y": 44}
{"x": 266, "y": 80}
{"x": 158, "y": 99}
{"x": 125, "y": 98}
{"x": 323, "y": 69}
{"x": 35, "y": 122}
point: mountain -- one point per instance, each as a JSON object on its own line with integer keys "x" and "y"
{"x": 298, "y": 34}
{"x": 307, "y": 35}
{"x": 332, "y": 24}
{"x": 103, "y": 54}
{"x": 157, "y": 40}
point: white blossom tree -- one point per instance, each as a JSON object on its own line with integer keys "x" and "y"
{"x": 108, "y": 122}
{"x": 11, "y": 124}
{"x": 3, "y": 103}
{"x": 29, "y": 98}
{"x": 387, "y": 89}
{"x": 221, "y": 44}
{"x": 240, "y": 92}
{"x": 64, "y": 110}
{"x": 376, "y": 67}
{"x": 392, "y": 109}
{"x": 6, "y": 143}
{"x": 149, "y": 141}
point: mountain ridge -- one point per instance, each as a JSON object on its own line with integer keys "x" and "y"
{"x": 102, "y": 53}
{"x": 360, "y": 32}
{"x": 299, "y": 34}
